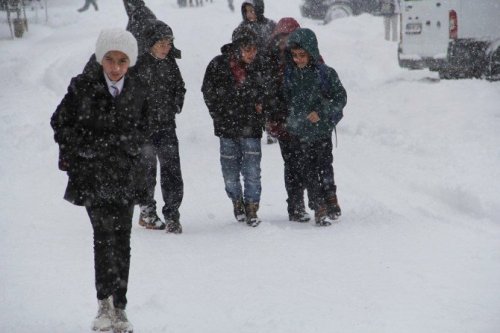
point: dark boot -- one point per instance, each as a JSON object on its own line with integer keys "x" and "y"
{"x": 322, "y": 218}
{"x": 333, "y": 208}
{"x": 239, "y": 210}
{"x": 252, "y": 219}
{"x": 173, "y": 226}
{"x": 149, "y": 219}
{"x": 297, "y": 212}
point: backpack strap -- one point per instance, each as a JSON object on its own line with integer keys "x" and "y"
{"x": 325, "y": 82}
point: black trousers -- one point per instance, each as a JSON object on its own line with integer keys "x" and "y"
{"x": 164, "y": 146}
{"x": 112, "y": 225}
{"x": 294, "y": 173}
{"x": 317, "y": 158}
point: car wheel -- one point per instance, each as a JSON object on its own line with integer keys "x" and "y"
{"x": 494, "y": 65}
{"x": 337, "y": 11}
{"x": 448, "y": 74}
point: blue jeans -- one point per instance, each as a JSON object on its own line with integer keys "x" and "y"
{"x": 241, "y": 157}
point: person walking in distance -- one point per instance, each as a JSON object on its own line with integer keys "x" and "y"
{"x": 87, "y": 5}
{"x": 390, "y": 10}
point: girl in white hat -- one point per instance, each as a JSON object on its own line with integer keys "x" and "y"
{"x": 99, "y": 127}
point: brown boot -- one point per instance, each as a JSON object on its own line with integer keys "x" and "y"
{"x": 239, "y": 210}
{"x": 322, "y": 218}
{"x": 252, "y": 218}
{"x": 149, "y": 219}
{"x": 333, "y": 208}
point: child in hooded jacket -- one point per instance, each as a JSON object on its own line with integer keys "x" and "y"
{"x": 158, "y": 68}
{"x": 233, "y": 92}
{"x": 315, "y": 99}
{"x": 252, "y": 12}
{"x": 276, "y": 114}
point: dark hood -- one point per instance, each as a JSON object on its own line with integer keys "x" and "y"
{"x": 156, "y": 30}
{"x": 241, "y": 36}
{"x": 258, "y": 5}
{"x": 306, "y": 39}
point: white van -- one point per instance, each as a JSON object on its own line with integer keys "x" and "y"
{"x": 424, "y": 34}
{"x": 473, "y": 49}
{"x": 458, "y": 38}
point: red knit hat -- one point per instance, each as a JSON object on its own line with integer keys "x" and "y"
{"x": 286, "y": 25}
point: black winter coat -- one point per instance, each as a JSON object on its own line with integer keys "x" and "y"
{"x": 100, "y": 140}
{"x": 166, "y": 90}
{"x": 232, "y": 106}
{"x": 139, "y": 16}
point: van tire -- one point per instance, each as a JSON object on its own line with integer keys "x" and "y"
{"x": 494, "y": 65}
{"x": 448, "y": 74}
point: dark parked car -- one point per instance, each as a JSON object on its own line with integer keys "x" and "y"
{"x": 330, "y": 9}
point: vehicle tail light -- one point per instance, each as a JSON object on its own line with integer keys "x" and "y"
{"x": 453, "y": 25}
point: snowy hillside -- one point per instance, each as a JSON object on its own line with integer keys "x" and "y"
{"x": 417, "y": 166}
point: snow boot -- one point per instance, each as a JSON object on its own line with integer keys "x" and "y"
{"x": 173, "y": 226}
{"x": 322, "y": 218}
{"x": 251, "y": 210}
{"x": 299, "y": 216}
{"x": 271, "y": 139}
{"x": 297, "y": 212}
{"x": 104, "y": 318}
{"x": 333, "y": 208}
{"x": 121, "y": 323}
{"x": 149, "y": 219}
{"x": 239, "y": 210}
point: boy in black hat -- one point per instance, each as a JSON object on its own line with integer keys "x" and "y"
{"x": 158, "y": 68}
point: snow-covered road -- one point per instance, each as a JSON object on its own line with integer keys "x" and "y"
{"x": 417, "y": 167}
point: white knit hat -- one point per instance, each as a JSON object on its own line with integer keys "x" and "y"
{"x": 116, "y": 39}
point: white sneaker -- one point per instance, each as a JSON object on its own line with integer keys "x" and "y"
{"x": 121, "y": 323}
{"x": 104, "y": 319}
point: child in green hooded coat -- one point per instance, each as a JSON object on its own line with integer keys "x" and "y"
{"x": 315, "y": 99}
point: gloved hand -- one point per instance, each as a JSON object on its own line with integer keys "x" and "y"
{"x": 63, "y": 164}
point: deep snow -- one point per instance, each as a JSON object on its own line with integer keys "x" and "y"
{"x": 417, "y": 167}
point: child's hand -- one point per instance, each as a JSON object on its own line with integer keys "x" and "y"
{"x": 258, "y": 108}
{"x": 313, "y": 117}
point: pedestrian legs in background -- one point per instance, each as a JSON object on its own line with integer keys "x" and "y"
{"x": 87, "y": 5}
{"x": 197, "y": 2}
{"x": 391, "y": 25}
{"x": 270, "y": 139}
